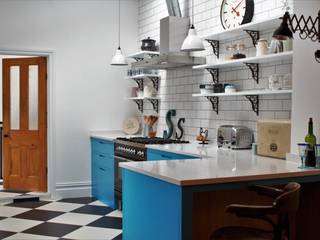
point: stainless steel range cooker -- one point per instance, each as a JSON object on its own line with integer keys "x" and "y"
{"x": 130, "y": 150}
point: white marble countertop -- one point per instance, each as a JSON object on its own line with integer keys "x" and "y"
{"x": 226, "y": 166}
{"x": 109, "y": 135}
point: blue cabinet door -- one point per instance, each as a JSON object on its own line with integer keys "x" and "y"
{"x": 153, "y": 155}
{"x": 102, "y": 171}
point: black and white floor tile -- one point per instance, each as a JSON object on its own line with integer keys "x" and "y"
{"x": 77, "y": 218}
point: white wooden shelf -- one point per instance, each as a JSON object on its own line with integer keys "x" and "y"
{"x": 139, "y": 76}
{"x": 138, "y": 56}
{"x": 251, "y": 95}
{"x": 244, "y": 93}
{"x": 271, "y": 23}
{"x": 144, "y": 98}
{"x": 153, "y": 100}
{"x": 239, "y": 62}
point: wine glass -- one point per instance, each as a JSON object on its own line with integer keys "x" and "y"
{"x": 302, "y": 153}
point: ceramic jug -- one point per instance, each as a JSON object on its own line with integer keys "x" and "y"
{"x": 262, "y": 47}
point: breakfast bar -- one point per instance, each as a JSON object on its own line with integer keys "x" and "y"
{"x": 183, "y": 199}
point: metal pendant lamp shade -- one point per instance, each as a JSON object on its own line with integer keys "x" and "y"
{"x": 119, "y": 58}
{"x": 283, "y": 32}
{"x": 192, "y": 42}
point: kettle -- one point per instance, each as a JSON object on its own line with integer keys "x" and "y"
{"x": 148, "y": 44}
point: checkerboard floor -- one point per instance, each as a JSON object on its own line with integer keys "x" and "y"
{"x": 73, "y": 218}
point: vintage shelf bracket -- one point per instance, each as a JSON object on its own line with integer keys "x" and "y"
{"x": 254, "y": 68}
{"x": 215, "y": 46}
{"x": 139, "y": 82}
{"x": 254, "y": 100}
{"x": 139, "y": 103}
{"x": 155, "y": 104}
{"x": 138, "y": 59}
{"x": 255, "y": 35}
{"x": 214, "y": 74}
{"x": 215, "y": 103}
{"x": 155, "y": 81}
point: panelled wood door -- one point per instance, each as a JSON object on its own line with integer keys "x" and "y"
{"x": 25, "y": 124}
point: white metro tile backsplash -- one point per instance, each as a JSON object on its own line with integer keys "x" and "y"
{"x": 177, "y": 86}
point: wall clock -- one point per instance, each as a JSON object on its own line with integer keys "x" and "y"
{"x": 236, "y": 12}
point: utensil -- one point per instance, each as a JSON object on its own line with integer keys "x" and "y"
{"x": 262, "y": 47}
{"x": 148, "y": 44}
{"x": 302, "y": 153}
{"x": 131, "y": 126}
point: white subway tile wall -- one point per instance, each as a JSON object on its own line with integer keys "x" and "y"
{"x": 177, "y": 86}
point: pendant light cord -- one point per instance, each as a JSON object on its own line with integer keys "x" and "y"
{"x": 119, "y": 24}
{"x": 192, "y": 13}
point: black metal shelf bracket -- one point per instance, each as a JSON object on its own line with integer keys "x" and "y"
{"x": 254, "y": 68}
{"x": 139, "y": 82}
{"x": 214, "y": 74}
{"x": 215, "y": 103}
{"x": 215, "y": 46}
{"x": 138, "y": 59}
{"x": 139, "y": 103}
{"x": 255, "y": 35}
{"x": 155, "y": 81}
{"x": 152, "y": 55}
{"x": 155, "y": 104}
{"x": 254, "y": 100}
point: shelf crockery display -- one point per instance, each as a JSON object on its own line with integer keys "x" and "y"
{"x": 154, "y": 78}
{"x": 138, "y": 56}
{"x": 251, "y": 62}
{"x": 153, "y": 100}
{"x": 253, "y": 29}
{"x": 251, "y": 95}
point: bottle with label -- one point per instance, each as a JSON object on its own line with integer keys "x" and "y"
{"x": 311, "y": 140}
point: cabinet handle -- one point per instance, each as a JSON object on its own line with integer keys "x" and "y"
{"x": 103, "y": 156}
{"x": 165, "y": 156}
{"x": 102, "y": 142}
{"x": 102, "y": 169}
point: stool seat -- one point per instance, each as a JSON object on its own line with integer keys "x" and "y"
{"x": 241, "y": 233}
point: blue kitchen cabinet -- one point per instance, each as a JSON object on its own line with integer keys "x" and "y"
{"x": 102, "y": 171}
{"x": 153, "y": 155}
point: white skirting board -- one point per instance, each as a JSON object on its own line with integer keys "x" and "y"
{"x": 73, "y": 190}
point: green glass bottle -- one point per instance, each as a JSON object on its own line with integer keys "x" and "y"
{"x": 310, "y": 138}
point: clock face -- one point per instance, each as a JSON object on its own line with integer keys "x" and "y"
{"x": 236, "y": 12}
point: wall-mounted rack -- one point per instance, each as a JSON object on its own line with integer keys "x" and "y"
{"x": 154, "y": 78}
{"x": 153, "y": 100}
{"x": 251, "y": 95}
{"x": 251, "y": 62}
{"x": 253, "y": 29}
{"x": 139, "y": 56}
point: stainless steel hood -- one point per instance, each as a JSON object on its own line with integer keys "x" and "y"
{"x": 173, "y": 31}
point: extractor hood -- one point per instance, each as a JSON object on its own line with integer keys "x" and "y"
{"x": 173, "y": 31}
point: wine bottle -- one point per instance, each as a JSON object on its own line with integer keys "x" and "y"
{"x": 311, "y": 140}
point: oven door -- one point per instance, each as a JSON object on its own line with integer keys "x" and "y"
{"x": 118, "y": 173}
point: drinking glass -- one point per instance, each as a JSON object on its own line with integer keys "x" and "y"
{"x": 317, "y": 153}
{"x": 302, "y": 153}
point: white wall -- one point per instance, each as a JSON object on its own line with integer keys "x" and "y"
{"x": 88, "y": 92}
{"x": 178, "y": 85}
{"x": 306, "y": 81}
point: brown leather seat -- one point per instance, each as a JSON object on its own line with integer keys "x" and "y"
{"x": 285, "y": 204}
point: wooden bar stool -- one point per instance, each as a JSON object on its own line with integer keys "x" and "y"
{"x": 285, "y": 204}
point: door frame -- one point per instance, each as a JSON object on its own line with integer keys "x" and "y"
{"x": 51, "y": 135}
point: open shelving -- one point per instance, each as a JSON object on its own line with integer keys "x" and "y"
{"x": 139, "y": 101}
{"x": 251, "y": 95}
{"x": 251, "y": 62}
{"x": 154, "y": 78}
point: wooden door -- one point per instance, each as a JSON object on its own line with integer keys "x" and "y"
{"x": 25, "y": 124}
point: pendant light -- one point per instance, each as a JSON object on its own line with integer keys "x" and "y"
{"x": 119, "y": 59}
{"x": 192, "y": 42}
